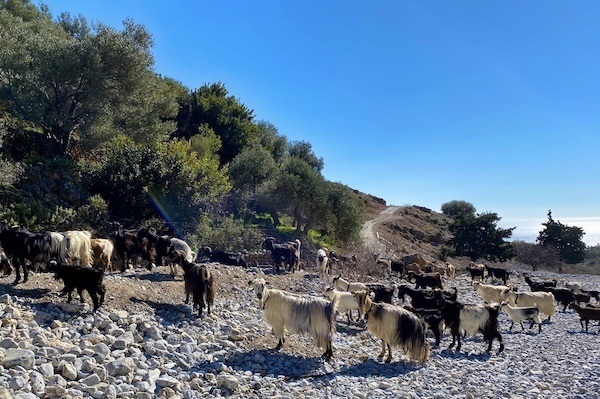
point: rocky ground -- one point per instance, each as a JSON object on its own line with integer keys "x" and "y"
{"x": 145, "y": 343}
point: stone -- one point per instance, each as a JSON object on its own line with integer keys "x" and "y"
{"x": 227, "y": 381}
{"x": 19, "y": 357}
{"x": 67, "y": 370}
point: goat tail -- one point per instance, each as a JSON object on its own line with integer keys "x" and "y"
{"x": 415, "y": 344}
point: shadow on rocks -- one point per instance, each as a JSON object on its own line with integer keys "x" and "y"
{"x": 275, "y": 363}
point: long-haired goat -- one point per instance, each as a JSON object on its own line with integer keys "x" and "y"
{"x": 300, "y": 314}
{"x": 585, "y": 313}
{"x": 20, "y": 246}
{"x": 472, "y": 319}
{"x": 80, "y": 247}
{"x": 520, "y": 313}
{"x": 395, "y": 326}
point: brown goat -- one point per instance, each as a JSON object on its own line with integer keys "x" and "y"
{"x": 585, "y": 313}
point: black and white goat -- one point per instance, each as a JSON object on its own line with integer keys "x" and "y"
{"x": 472, "y": 319}
{"x": 520, "y": 313}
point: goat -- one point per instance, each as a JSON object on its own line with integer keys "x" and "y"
{"x": 497, "y": 272}
{"x": 563, "y": 296}
{"x": 323, "y": 264}
{"x": 476, "y": 270}
{"x": 80, "y": 278}
{"x": 5, "y": 266}
{"x": 450, "y": 270}
{"x": 424, "y": 280}
{"x": 423, "y": 299}
{"x": 395, "y": 326}
{"x": 282, "y": 254}
{"x": 585, "y": 313}
{"x": 520, "y": 313}
{"x": 102, "y": 250}
{"x": 472, "y": 319}
{"x": 344, "y": 285}
{"x": 199, "y": 282}
{"x": 592, "y": 293}
{"x": 573, "y": 286}
{"x": 80, "y": 247}
{"x": 126, "y": 245}
{"x": 544, "y": 300}
{"x": 538, "y": 285}
{"x": 381, "y": 292}
{"x": 300, "y": 314}
{"x": 345, "y": 302}
{"x": 222, "y": 257}
{"x": 20, "y": 246}
{"x": 177, "y": 252}
{"x": 491, "y": 293}
{"x": 56, "y": 246}
{"x": 433, "y": 318}
{"x": 583, "y": 297}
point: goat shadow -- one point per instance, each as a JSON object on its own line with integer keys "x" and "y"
{"x": 451, "y": 353}
{"x": 34, "y": 293}
{"x": 375, "y": 368}
{"x": 278, "y": 363}
{"x": 352, "y": 329}
{"x": 169, "y": 312}
{"x": 152, "y": 276}
{"x": 583, "y": 332}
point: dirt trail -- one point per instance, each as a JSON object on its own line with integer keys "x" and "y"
{"x": 369, "y": 235}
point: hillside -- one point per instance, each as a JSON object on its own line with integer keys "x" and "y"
{"x": 404, "y": 230}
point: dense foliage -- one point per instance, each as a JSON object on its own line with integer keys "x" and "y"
{"x": 567, "y": 240}
{"x": 478, "y": 236}
{"x": 458, "y": 207}
{"x": 137, "y": 148}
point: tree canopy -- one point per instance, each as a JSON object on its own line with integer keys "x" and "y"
{"x": 567, "y": 240}
{"x": 478, "y": 236}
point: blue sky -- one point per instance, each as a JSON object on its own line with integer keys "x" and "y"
{"x": 417, "y": 102}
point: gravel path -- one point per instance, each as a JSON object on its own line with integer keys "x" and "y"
{"x": 51, "y": 350}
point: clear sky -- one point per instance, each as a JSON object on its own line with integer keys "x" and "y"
{"x": 418, "y": 102}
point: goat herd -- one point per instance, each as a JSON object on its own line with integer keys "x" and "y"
{"x": 70, "y": 254}
{"x": 431, "y": 308}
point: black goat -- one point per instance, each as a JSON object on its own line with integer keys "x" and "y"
{"x": 420, "y": 299}
{"x": 424, "y": 280}
{"x": 282, "y": 254}
{"x": 199, "y": 282}
{"x": 222, "y": 257}
{"x": 80, "y": 278}
{"x": 433, "y": 318}
{"x": 381, "y": 292}
{"x": 497, "y": 272}
{"x": 563, "y": 296}
{"x": 475, "y": 270}
{"x": 21, "y": 246}
{"x": 5, "y": 267}
{"x": 126, "y": 245}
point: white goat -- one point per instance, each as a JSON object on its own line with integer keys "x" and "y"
{"x": 520, "y": 313}
{"x": 80, "y": 247}
{"x": 344, "y": 285}
{"x": 544, "y": 300}
{"x": 323, "y": 261}
{"x": 177, "y": 247}
{"x": 300, "y": 314}
{"x": 574, "y": 286}
{"x": 491, "y": 293}
{"x": 345, "y": 302}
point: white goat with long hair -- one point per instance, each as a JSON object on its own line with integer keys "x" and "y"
{"x": 323, "y": 261}
{"x": 301, "y": 314}
{"x": 102, "y": 250}
{"x": 395, "y": 326}
{"x": 80, "y": 247}
{"x": 345, "y": 302}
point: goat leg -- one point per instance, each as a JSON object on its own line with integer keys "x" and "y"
{"x": 389, "y": 358}
{"x": 382, "y": 354}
